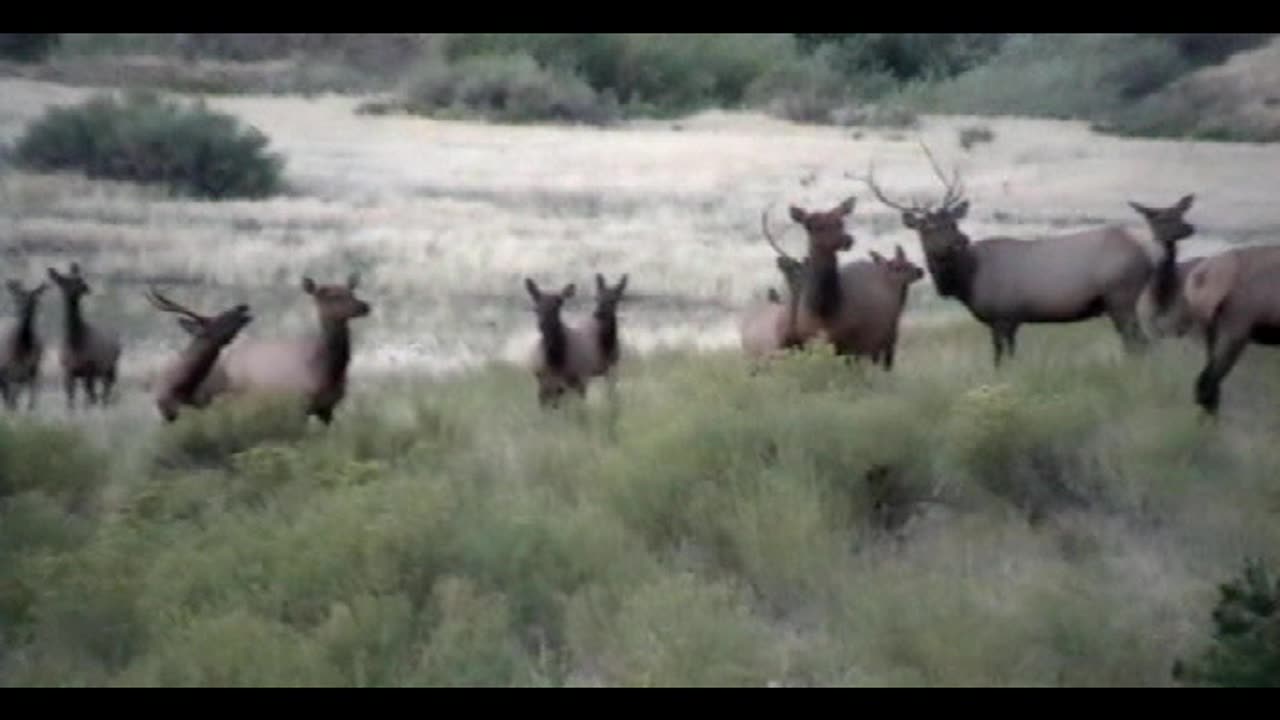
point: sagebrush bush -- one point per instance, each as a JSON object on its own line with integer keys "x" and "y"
{"x": 1246, "y": 639}
{"x": 143, "y": 138}
{"x": 505, "y": 88}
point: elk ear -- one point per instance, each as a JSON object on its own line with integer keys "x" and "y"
{"x": 877, "y": 258}
{"x": 1185, "y": 203}
{"x": 53, "y": 275}
{"x": 958, "y": 212}
{"x": 600, "y": 285}
{"x": 622, "y": 284}
{"x": 897, "y": 252}
{"x": 532, "y": 287}
{"x": 75, "y": 269}
{"x": 798, "y": 214}
{"x": 353, "y": 280}
{"x": 910, "y": 220}
{"x": 846, "y": 207}
{"x": 190, "y": 325}
{"x": 13, "y": 286}
{"x": 569, "y": 291}
{"x": 1142, "y": 209}
{"x": 773, "y": 296}
{"x": 308, "y": 286}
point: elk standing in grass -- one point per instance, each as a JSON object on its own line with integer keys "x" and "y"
{"x": 767, "y": 328}
{"x": 568, "y": 358}
{"x": 1006, "y": 282}
{"x": 313, "y": 367}
{"x": 882, "y": 314}
{"x": 89, "y": 353}
{"x": 1234, "y": 298}
{"x": 182, "y": 382}
{"x": 21, "y": 347}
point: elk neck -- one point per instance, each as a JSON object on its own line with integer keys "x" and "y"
{"x": 607, "y": 323}
{"x": 555, "y": 341}
{"x": 953, "y": 273}
{"x": 336, "y": 348}
{"x": 823, "y": 289}
{"x": 76, "y": 329}
{"x": 26, "y": 339}
{"x": 200, "y": 357}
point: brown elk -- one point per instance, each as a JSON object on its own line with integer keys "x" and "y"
{"x": 568, "y": 358}
{"x": 883, "y": 315}
{"x": 182, "y": 382}
{"x": 768, "y": 327}
{"x": 1234, "y": 298}
{"x": 1006, "y": 282}
{"x": 89, "y": 353}
{"x": 314, "y": 367}
{"x": 21, "y": 347}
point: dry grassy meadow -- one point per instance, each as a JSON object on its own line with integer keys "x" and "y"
{"x": 467, "y": 530}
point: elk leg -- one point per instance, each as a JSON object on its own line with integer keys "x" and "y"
{"x": 9, "y": 394}
{"x": 888, "y": 356}
{"x": 69, "y": 385}
{"x": 90, "y": 389}
{"x": 997, "y": 343}
{"x": 33, "y": 388}
{"x": 1127, "y": 325}
{"x": 1222, "y": 357}
{"x": 325, "y": 414}
{"x": 1011, "y": 340}
{"x": 108, "y": 384}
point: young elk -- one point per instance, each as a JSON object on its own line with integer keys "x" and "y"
{"x": 567, "y": 358}
{"x": 89, "y": 353}
{"x": 182, "y": 382}
{"x": 1235, "y": 298}
{"x": 1005, "y": 282}
{"x": 767, "y": 328}
{"x": 882, "y": 317}
{"x": 314, "y": 367}
{"x": 21, "y": 348}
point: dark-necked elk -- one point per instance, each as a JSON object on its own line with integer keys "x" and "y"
{"x": 313, "y": 367}
{"x": 568, "y": 357}
{"x": 1006, "y": 282}
{"x": 182, "y": 381}
{"x": 767, "y": 327}
{"x": 21, "y": 347}
{"x": 89, "y": 353}
{"x": 1234, "y": 298}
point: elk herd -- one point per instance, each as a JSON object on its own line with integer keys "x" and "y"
{"x": 1134, "y": 278}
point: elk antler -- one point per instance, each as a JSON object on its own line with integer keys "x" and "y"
{"x": 954, "y": 187}
{"x": 870, "y": 180}
{"x": 764, "y": 227}
{"x": 165, "y": 304}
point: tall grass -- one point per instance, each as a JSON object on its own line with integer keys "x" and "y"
{"x": 1061, "y": 522}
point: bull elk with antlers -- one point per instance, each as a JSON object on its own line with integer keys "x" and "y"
{"x": 21, "y": 347}
{"x": 1006, "y": 282}
{"x": 568, "y": 358}
{"x": 182, "y": 382}
{"x": 313, "y": 367}
{"x": 89, "y": 353}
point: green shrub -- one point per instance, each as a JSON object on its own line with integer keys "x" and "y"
{"x": 505, "y": 88}
{"x": 192, "y": 151}
{"x": 1246, "y": 639}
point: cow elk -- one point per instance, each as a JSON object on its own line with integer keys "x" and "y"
{"x": 21, "y": 347}
{"x": 569, "y": 357}
{"x": 884, "y": 314}
{"x": 89, "y": 353}
{"x": 314, "y": 367}
{"x": 182, "y": 381}
{"x": 1006, "y": 282}
{"x": 1234, "y": 298}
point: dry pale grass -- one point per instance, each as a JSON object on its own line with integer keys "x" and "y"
{"x": 443, "y": 219}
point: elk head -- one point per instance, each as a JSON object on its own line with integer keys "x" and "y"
{"x": 27, "y": 301}
{"x": 827, "y": 234}
{"x": 946, "y": 247}
{"x": 607, "y": 297}
{"x": 899, "y": 267}
{"x": 72, "y": 285}
{"x": 1167, "y": 224}
{"x": 218, "y": 330}
{"x": 337, "y": 303}
{"x": 547, "y": 305}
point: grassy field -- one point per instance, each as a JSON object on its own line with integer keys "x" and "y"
{"x": 1062, "y": 522}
